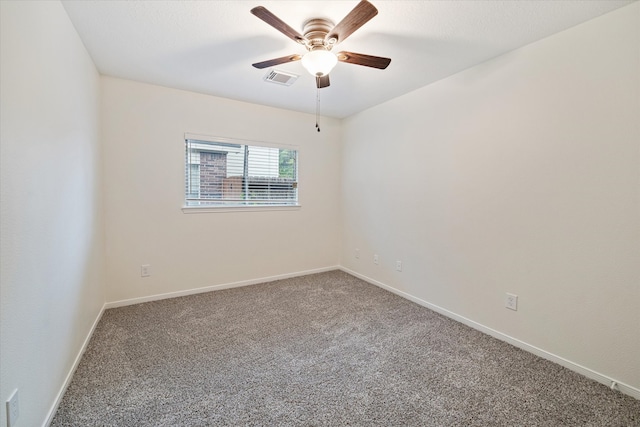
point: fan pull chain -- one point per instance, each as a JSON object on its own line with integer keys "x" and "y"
{"x": 317, "y": 107}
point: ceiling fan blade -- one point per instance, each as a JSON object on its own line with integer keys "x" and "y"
{"x": 355, "y": 19}
{"x": 322, "y": 81}
{"x": 362, "y": 59}
{"x": 277, "y": 23}
{"x": 277, "y": 61}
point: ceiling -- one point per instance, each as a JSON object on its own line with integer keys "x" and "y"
{"x": 209, "y": 46}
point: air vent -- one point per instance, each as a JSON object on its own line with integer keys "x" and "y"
{"x": 281, "y": 77}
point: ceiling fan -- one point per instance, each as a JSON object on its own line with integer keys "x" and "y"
{"x": 319, "y": 37}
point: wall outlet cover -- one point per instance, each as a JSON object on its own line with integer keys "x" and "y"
{"x": 145, "y": 270}
{"x": 511, "y": 302}
{"x": 13, "y": 409}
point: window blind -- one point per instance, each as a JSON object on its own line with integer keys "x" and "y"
{"x": 230, "y": 174}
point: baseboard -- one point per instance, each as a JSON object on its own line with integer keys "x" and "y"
{"x": 76, "y": 362}
{"x": 589, "y": 373}
{"x": 156, "y": 297}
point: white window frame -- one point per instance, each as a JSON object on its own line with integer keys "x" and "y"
{"x": 239, "y": 207}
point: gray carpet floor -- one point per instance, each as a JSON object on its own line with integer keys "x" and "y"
{"x": 321, "y": 350}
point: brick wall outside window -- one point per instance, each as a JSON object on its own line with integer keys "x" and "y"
{"x": 213, "y": 170}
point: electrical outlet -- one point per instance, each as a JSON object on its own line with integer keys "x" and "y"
{"x": 145, "y": 270}
{"x": 357, "y": 253}
{"x": 376, "y": 260}
{"x": 511, "y": 302}
{"x": 13, "y": 409}
{"x": 398, "y": 265}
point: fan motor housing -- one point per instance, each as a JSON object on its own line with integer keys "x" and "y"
{"x": 315, "y": 30}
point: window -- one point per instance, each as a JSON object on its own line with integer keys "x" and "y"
{"x": 228, "y": 173}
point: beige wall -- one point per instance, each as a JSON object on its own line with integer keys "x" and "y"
{"x": 519, "y": 175}
{"x": 51, "y": 280}
{"x": 143, "y": 129}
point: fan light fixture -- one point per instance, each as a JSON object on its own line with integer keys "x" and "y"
{"x": 319, "y": 62}
{"x": 320, "y": 36}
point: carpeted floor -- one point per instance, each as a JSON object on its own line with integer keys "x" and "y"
{"x": 321, "y": 350}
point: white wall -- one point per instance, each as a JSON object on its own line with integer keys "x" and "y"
{"x": 143, "y": 129}
{"x": 519, "y": 175}
{"x": 51, "y": 223}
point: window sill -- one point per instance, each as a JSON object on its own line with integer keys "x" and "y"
{"x": 219, "y": 209}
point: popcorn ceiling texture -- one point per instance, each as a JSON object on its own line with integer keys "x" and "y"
{"x": 323, "y": 349}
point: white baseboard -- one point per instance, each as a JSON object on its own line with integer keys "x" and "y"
{"x": 589, "y": 373}
{"x": 157, "y": 297}
{"x": 76, "y": 362}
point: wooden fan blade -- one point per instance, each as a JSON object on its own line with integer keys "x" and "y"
{"x": 355, "y": 19}
{"x": 277, "y": 61}
{"x": 362, "y": 59}
{"x": 277, "y": 23}
{"x": 322, "y": 81}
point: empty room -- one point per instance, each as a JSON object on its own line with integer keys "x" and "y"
{"x": 312, "y": 213}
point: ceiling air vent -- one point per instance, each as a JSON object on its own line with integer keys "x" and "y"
{"x": 281, "y": 77}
